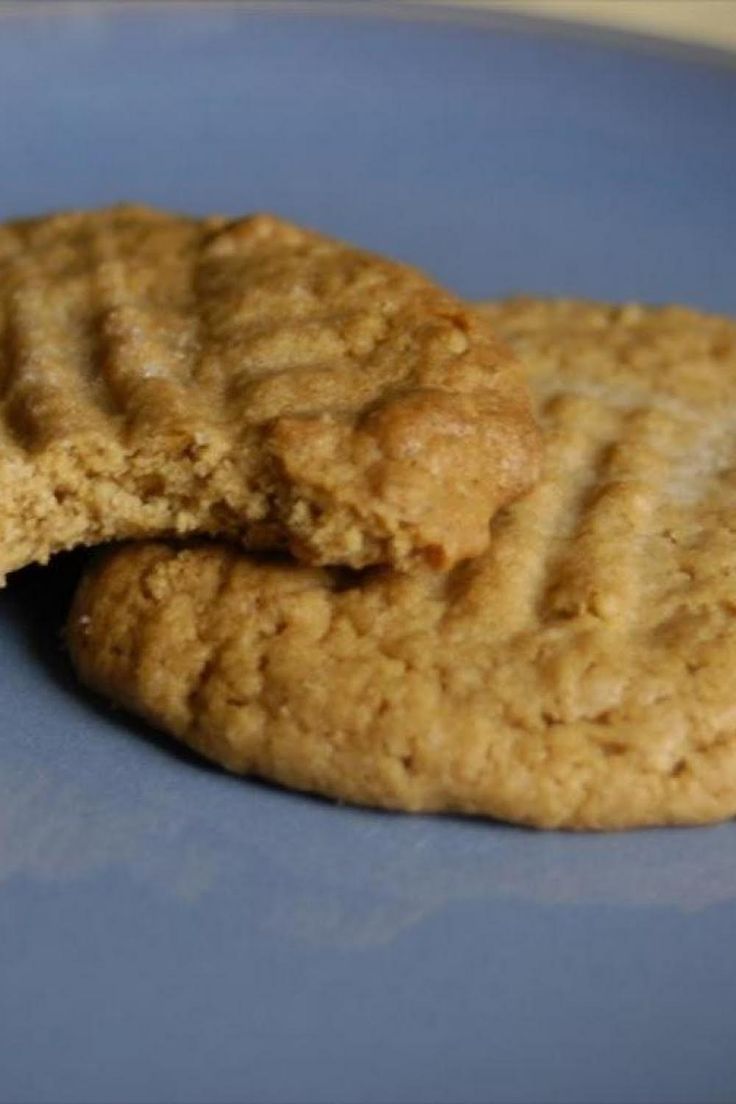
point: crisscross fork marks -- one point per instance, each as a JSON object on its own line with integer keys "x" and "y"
{"x": 143, "y": 364}
{"x": 603, "y": 562}
{"x": 46, "y": 396}
{"x": 508, "y": 585}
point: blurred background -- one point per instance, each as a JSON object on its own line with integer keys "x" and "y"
{"x": 709, "y": 21}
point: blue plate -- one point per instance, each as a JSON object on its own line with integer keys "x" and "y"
{"x": 171, "y": 933}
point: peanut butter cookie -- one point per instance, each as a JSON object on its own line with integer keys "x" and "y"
{"x": 168, "y": 375}
{"x": 579, "y": 674}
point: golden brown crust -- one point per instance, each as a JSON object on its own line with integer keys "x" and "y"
{"x": 579, "y": 674}
{"x": 160, "y": 374}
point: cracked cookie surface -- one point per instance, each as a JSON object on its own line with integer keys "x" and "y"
{"x": 578, "y": 674}
{"x": 168, "y": 375}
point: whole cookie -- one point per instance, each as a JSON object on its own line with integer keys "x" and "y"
{"x": 579, "y": 674}
{"x": 162, "y": 375}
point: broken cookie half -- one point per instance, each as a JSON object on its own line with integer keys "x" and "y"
{"x": 170, "y": 375}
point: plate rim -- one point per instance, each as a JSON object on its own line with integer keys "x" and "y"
{"x": 468, "y": 13}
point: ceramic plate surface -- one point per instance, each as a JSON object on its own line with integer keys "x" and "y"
{"x": 168, "y": 933}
